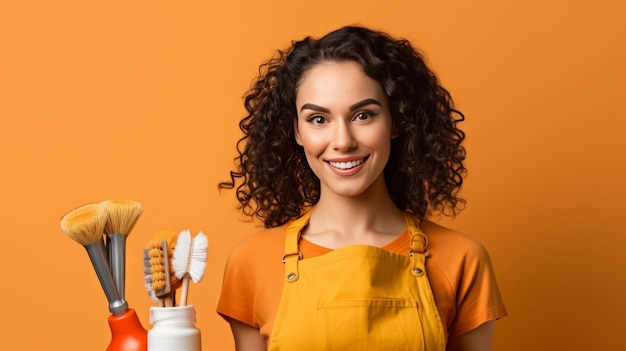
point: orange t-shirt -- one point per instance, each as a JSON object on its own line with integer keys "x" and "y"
{"x": 459, "y": 270}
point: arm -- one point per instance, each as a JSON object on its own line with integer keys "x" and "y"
{"x": 478, "y": 339}
{"x": 247, "y": 338}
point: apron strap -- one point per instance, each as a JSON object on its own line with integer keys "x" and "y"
{"x": 292, "y": 253}
{"x": 419, "y": 246}
{"x": 418, "y": 252}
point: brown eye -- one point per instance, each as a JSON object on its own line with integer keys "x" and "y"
{"x": 363, "y": 116}
{"x": 317, "y": 119}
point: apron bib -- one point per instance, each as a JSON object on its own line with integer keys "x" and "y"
{"x": 358, "y": 297}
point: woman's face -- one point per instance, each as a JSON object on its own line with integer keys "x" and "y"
{"x": 345, "y": 128}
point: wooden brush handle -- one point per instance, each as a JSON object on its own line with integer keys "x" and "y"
{"x": 184, "y": 291}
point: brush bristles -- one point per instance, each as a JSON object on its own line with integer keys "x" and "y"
{"x": 85, "y": 224}
{"x": 122, "y": 215}
{"x": 190, "y": 255}
{"x": 157, "y": 267}
{"x": 182, "y": 254}
{"x": 147, "y": 271}
{"x": 199, "y": 255}
{"x": 171, "y": 238}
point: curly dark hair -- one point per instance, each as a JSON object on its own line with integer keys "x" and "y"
{"x": 425, "y": 169}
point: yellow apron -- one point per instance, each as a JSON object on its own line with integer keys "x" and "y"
{"x": 357, "y": 298}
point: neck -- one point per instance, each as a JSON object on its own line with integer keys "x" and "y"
{"x": 373, "y": 211}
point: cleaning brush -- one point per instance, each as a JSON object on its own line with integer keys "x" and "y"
{"x": 190, "y": 256}
{"x": 122, "y": 216}
{"x": 171, "y": 238}
{"x": 159, "y": 269}
{"x": 147, "y": 271}
{"x": 85, "y": 225}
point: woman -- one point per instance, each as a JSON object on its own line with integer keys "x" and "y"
{"x": 349, "y": 144}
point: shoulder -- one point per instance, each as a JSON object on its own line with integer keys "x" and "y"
{"x": 459, "y": 263}
{"x": 262, "y": 246}
{"x": 263, "y": 237}
{"x": 251, "y": 275}
{"x": 462, "y": 279}
{"x": 451, "y": 244}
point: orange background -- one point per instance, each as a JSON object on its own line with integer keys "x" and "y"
{"x": 141, "y": 99}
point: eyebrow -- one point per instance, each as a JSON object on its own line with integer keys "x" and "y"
{"x": 365, "y": 102}
{"x": 353, "y": 107}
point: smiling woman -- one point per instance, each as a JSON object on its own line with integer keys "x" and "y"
{"x": 349, "y": 144}
{"x": 344, "y": 128}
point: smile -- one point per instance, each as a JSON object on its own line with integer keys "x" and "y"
{"x": 346, "y": 165}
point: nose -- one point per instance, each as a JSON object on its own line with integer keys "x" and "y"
{"x": 343, "y": 137}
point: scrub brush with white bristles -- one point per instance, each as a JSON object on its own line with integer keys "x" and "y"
{"x": 189, "y": 262}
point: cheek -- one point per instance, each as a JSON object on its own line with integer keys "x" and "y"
{"x": 311, "y": 140}
{"x": 379, "y": 138}
{"x": 312, "y": 144}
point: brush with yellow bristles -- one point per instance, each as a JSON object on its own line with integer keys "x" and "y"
{"x": 171, "y": 238}
{"x": 122, "y": 216}
{"x": 189, "y": 262}
{"x": 159, "y": 270}
{"x": 147, "y": 273}
{"x": 164, "y": 282}
{"x": 85, "y": 225}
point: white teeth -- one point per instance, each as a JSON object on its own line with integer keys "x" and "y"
{"x": 346, "y": 165}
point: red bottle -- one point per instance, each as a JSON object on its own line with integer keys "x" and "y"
{"x": 127, "y": 333}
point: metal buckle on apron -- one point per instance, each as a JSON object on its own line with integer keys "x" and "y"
{"x": 418, "y": 253}
{"x": 411, "y": 252}
{"x": 291, "y": 265}
{"x": 291, "y": 254}
{"x": 418, "y": 262}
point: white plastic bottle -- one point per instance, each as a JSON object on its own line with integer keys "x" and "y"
{"x": 173, "y": 329}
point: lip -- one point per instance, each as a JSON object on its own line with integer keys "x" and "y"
{"x": 348, "y": 159}
{"x": 343, "y": 161}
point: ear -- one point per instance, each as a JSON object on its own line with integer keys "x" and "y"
{"x": 394, "y": 132}
{"x": 296, "y": 132}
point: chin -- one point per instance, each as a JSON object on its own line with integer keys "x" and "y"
{"x": 348, "y": 191}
